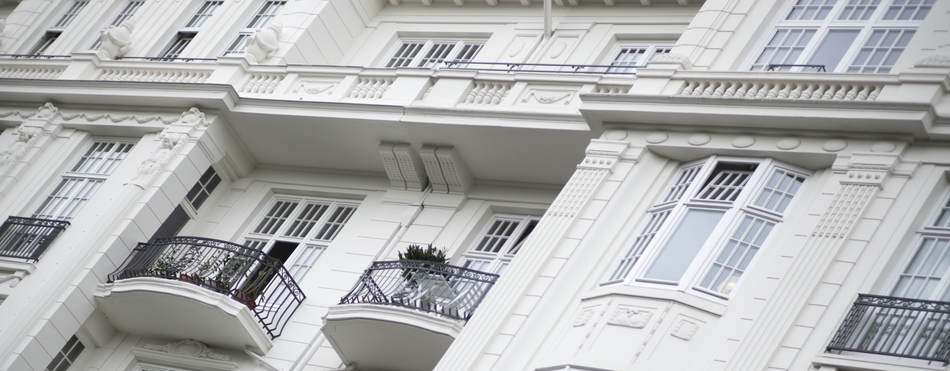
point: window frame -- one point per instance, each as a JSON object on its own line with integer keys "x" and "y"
{"x": 822, "y": 29}
{"x": 450, "y": 60}
{"x": 653, "y": 49}
{"x": 187, "y": 33}
{"x": 121, "y": 16}
{"x": 635, "y": 273}
{"x": 71, "y": 173}
{"x": 927, "y": 229}
{"x": 497, "y": 262}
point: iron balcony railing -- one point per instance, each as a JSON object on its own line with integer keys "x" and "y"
{"x": 28, "y": 238}
{"x": 245, "y": 274}
{"x": 900, "y": 327}
{"x": 442, "y": 289}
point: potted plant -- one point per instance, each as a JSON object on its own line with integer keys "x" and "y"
{"x": 253, "y": 289}
{"x": 417, "y": 252}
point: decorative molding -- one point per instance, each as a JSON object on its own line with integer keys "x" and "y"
{"x": 391, "y": 165}
{"x": 699, "y": 139}
{"x": 263, "y": 43}
{"x": 684, "y": 329}
{"x": 657, "y": 137}
{"x": 834, "y": 145}
{"x": 22, "y": 114}
{"x": 516, "y": 48}
{"x": 787, "y": 144}
{"x": 190, "y": 348}
{"x": 933, "y": 61}
{"x": 26, "y": 139}
{"x": 31, "y": 72}
{"x": 743, "y": 141}
{"x": 115, "y": 41}
{"x": 611, "y": 89}
{"x": 116, "y": 118}
{"x": 883, "y": 146}
{"x": 616, "y": 135}
{"x": 549, "y": 96}
{"x": 169, "y": 146}
{"x": 673, "y": 58}
{"x": 154, "y": 75}
{"x": 47, "y": 111}
{"x": 583, "y": 317}
{"x": 557, "y": 50}
{"x": 371, "y": 87}
{"x": 315, "y": 87}
{"x": 843, "y": 212}
{"x": 629, "y": 317}
{"x": 195, "y": 118}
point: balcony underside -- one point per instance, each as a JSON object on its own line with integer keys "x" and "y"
{"x": 388, "y": 338}
{"x": 176, "y": 310}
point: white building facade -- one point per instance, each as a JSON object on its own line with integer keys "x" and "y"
{"x": 621, "y": 185}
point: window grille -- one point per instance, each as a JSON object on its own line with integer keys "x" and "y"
{"x": 784, "y": 48}
{"x": 405, "y": 54}
{"x": 881, "y": 51}
{"x": 908, "y": 10}
{"x": 82, "y": 180}
{"x": 643, "y": 238}
{"x": 811, "y": 10}
{"x": 736, "y": 255}
{"x": 682, "y": 181}
{"x": 203, "y": 14}
{"x": 499, "y": 242}
{"x": 267, "y": 12}
{"x": 778, "y": 192}
{"x": 336, "y": 221}
{"x": 725, "y": 185}
{"x": 859, "y": 10}
{"x": 178, "y": 46}
{"x": 48, "y": 39}
{"x": 127, "y": 12}
{"x": 434, "y": 53}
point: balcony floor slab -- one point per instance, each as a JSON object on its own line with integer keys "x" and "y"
{"x": 388, "y": 338}
{"x": 176, "y": 310}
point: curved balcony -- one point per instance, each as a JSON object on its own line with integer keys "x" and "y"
{"x": 403, "y": 315}
{"x": 203, "y": 289}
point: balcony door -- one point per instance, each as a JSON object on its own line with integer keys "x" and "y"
{"x": 498, "y": 243}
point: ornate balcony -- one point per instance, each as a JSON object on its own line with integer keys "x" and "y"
{"x": 403, "y": 315}
{"x": 899, "y": 327}
{"x": 28, "y": 238}
{"x": 179, "y": 287}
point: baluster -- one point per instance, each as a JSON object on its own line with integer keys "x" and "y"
{"x": 797, "y": 92}
{"x": 776, "y": 88}
{"x": 471, "y": 94}
{"x": 832, "y": 90}
{"x": 699, "y": 89}
{"x": 875, "y": 92}
{"x": 690, "y": 86}
{"x": 710, "y": 88}
{"x": 741, "y": 92}
{"x": 480, "y": 94}
{"x": 863, "y": 95}
{"x": 855, "y": 89}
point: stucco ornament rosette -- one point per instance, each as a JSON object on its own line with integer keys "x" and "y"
{"x": 788, "y": 143}
{"x": 657, "y": 137}
{"x": 834, "y": 145}
{"x": 883, "y": 146}
{"x": 699, "y": 139}
{"x": 743, "y": 141}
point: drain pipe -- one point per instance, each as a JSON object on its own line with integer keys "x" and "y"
{"x": 408, "y": 217}
{"x": 547, "y": 19}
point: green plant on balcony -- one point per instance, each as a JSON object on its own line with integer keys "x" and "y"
{"x": 253, "y": 289}
{"x": 417, "y": 252}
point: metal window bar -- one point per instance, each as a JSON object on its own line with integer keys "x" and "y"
{"x": 442, "y": 289}
{"x": 598, "y": 69}
{"x": 900, "y": 327}
{"x": 725, "y": 186}
{"x": 28, "y": 238}
{"x": 70, "y": 14}
{"x": 245, "y": 274}
{"x": 785, "y": 67}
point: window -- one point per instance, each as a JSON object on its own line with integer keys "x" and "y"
{"x": 499, "y": 242}
{"x": 261, "y": 19}
{"x": 188, "y": 32}
{"x": 860, "y": 36}
{"x": 82, "y": 180}
{"x": 297, "y": 230}
{"x": 434, "y": 53}
{"x": 127, "y": 12}
{"x": 54, "y": 31}
{"x": 203, "y": 188}
{"x": 708, "y": 225}
{"x": 66, "y": 356}
{"x": 926, "y": 274}
{"x": 626, "y": 57}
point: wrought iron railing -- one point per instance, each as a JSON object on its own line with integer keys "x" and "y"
{"x": 245, "y": 274}
{"x": 28, "y": 238}
{"x": 442, "y": 289}
{"x": 900, "y": 327}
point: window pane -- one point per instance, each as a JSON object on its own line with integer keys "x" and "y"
{"x": 275, "y": 217}
{"x": 908, "y": 9}
{"x": 684, "y": 244}
{"x": 335, "y": 222}
{"x": 405, "y": 54}
{"x": 925, "y": 270}
{"x": 127, "y": 12}
{"x": 725, "y": 185}
{"x": 203, "y": 14}
{"x": 858, "y": 10}
{"x": 735, "y": 257}
{"x": 779, "y": 191}
{"x": 644, "y": 237}
{"x": 70, "y": 14}
{"x": 681, "y": 182}
{"x": 305, "y": 221}
{"x": 808, "y": 10}
{"x": 833, "y": 48}
{"x": 881, "y": 50}
{"x": 784, "y": 48}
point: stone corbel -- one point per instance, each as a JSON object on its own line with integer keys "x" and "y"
{"x": 263, "y": 43}
{"x": 115, "y": 41}
{"x": 171, "y": 141}
{"x": 871, "y": 169}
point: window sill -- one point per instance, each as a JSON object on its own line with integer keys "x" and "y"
{"x": 13, "y": 270}
{"x": 687, "y": 299}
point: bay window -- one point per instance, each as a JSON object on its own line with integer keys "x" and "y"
{"x": 709, "y": 224}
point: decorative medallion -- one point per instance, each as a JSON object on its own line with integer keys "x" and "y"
{"x": 657, "y": 137}
{"x": 629, "y": 317}
{"x": 834, "y": 145}
{"x": 883, "y": 146}
{"x": 616, "y": 135}
{"x": 583, "y": 317}
{"x": 189, "y": 348}
{"x": 46, "y": 111}
{"x": 788, "y": 143}
{"x": 515, "y": 48}
{"x": 743, "y": 141}
{"x": 558, "y": 49}
{"x": 684, "y": 329}
{"x": 699, "y": 139}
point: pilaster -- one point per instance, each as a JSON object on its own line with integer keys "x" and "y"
{"x": 34, "y": 135}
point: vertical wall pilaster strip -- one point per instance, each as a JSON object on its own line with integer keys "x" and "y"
{"x": 468, "y": 350}
{"x": 811, "y": 263}
{"x": 33, "y": 136}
